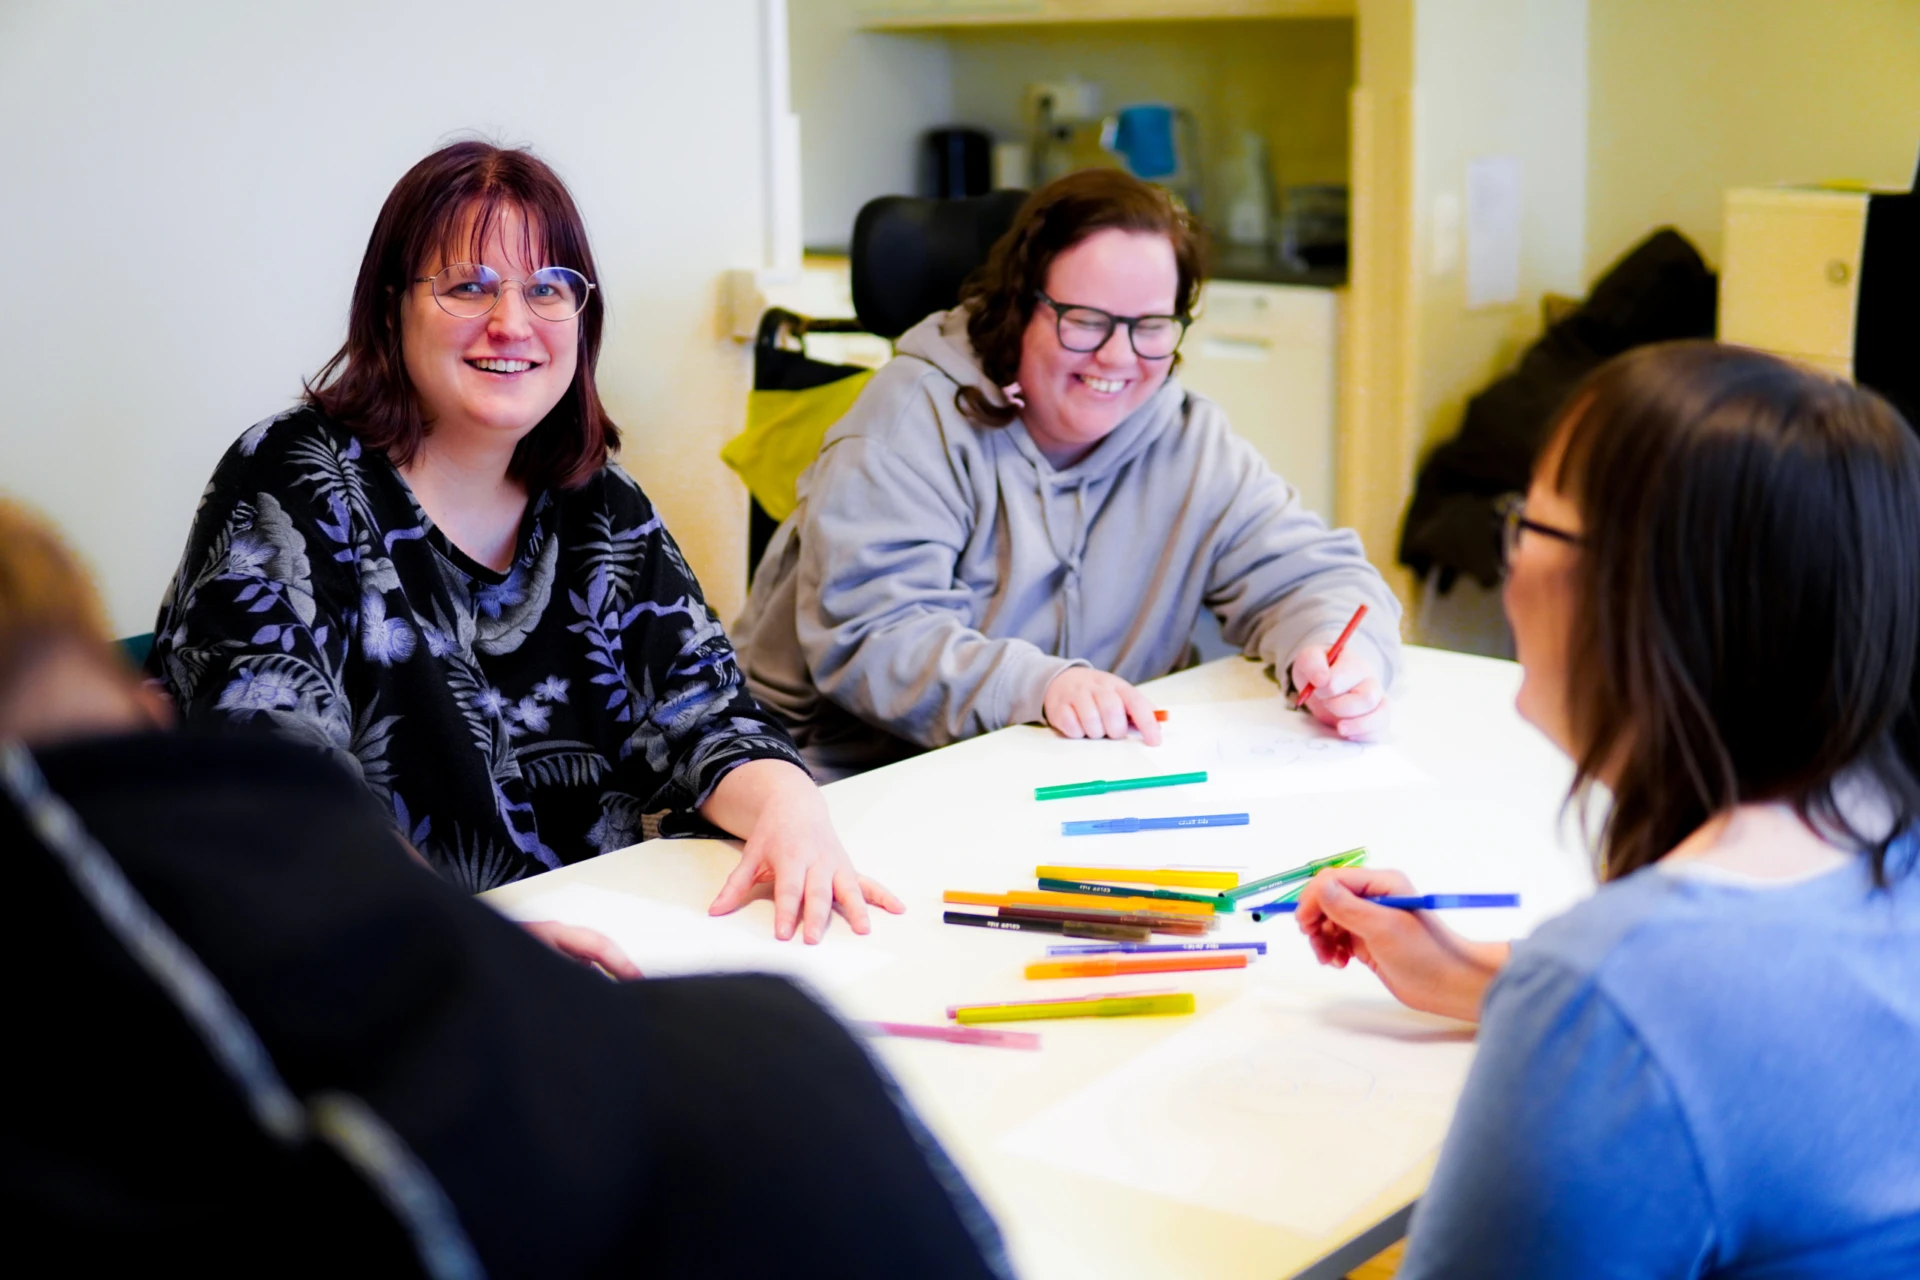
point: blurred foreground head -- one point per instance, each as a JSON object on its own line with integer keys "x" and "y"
{"x": 61, "y": 674}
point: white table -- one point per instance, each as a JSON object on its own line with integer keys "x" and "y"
{"x": 1487, "y": 818}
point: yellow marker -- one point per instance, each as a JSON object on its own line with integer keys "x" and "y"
{"x": 1142, "y": 875}
{"x": 1096, "y": 1007}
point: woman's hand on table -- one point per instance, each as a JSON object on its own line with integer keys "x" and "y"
{"x": 791, "y": 844}
{"x": 589, "y": 947}
{"x": 1425, "y": 965}
{"x": 1348, "y": 697}
{"x": 1085, "y": 703}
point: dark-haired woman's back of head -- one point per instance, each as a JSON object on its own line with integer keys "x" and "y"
{"x": 1751, "y": 592}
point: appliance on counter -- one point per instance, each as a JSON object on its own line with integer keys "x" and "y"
{"x": 1249, "y": 199}
{"x": 1313, "y": 226}
{"x": 955, "y": 163}
{"x": 1159, "y": 143}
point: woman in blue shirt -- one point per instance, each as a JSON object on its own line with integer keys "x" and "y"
{"x": 1708, "y": 1069}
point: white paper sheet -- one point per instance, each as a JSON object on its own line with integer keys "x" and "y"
{"x": 1268, "y": 1108}
{"x": 1263, "y": 748}
{"x": 669, "y": 941}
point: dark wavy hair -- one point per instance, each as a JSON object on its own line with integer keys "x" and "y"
{"x": 464, "y": 188}
{"x": 1000, "y": 295}
{"x": 1748, "y": 591}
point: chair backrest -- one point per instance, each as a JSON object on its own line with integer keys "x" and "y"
{"x": 911, "y": 255}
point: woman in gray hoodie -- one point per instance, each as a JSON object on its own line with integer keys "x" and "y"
{"x": 1024, "y": 513}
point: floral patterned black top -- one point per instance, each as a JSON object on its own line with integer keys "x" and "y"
{"x": 585, "y": 699}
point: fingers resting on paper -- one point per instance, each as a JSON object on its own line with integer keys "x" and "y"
{"x": 1084, "y": 703}
{"x": 588, "y": 946}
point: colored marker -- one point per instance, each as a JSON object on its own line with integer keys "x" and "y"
{"x": 1120, "y": 966}
{"x": 1108, "y": 932}
{"x": 1126, "y": 826}
{"x": 953, "y": 1010}
{"x": 1075, "y": 902}
{"x": 1305, "y": 871}
{"x": 1138, "y": 948}
{"x": 1107, "y": 1007}
{"x": 952, "y": 1035}
{"x": 1421, "y": 902}
{"x": 1100, "y": 787}
{"x": 1219, "y": 902}
{"x": 1221, "y": 880}
{"x": 1161, "y": 716}
{"x": 1333, "y": 654}
{"x": 1183, "y": 926}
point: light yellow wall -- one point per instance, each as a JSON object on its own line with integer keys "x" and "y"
{"x": 1494, "y": 77}
{"x": 1288, "y": 80}
{"x": 1690, "y": 97}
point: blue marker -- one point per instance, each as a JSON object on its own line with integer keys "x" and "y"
{"x": 1423, "y": 902}
{"x": 1122, "y": 826}
{"x": 1258, "y": 948}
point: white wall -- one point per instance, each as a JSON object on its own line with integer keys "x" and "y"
{"x": 864, "y": 100}
{"x": 188, "y": 189}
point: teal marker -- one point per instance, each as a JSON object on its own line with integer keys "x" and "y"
{"x": 1218, "y": 901}
{"x": 1068, "y": 790}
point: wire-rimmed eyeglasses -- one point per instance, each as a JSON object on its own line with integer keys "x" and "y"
{"x": 470, "y": 289}
{"x": 1086, "y": 329}
{"x": 1512, "y": 510}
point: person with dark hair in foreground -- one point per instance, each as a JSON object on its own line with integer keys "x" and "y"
{"x": 434, "y": 572}
{"x": 251, "y": 1036}
{"x": 1708, "y": 1068}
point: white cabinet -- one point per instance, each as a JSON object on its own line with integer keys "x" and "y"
{"x": 1268, "y": 355}
{"x": 1790, "y": 275}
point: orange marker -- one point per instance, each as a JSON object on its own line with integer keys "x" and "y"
{"x": 1115, "y": 966}
{"x": 1333, "y": 654}
{"x": 1161, "y": 716}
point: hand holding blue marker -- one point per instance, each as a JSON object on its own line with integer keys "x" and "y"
{"x": 1417, "y": 902}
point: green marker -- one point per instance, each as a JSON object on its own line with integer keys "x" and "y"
{"x": 1218, "y": 901}
{"x": 1351, "y": 858}
{"x": 1068, "y": 790}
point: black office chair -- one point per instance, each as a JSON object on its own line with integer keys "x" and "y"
{"x": 909, "y": 258}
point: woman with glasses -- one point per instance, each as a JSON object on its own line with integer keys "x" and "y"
{"x": 1024, "y": 515}
{"x": 432, "y": 570}
{"x": 1708, "y": 1068}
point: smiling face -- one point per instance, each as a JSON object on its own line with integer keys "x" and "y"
{"x": 490, "y": 379}
{"x": 1074, "y": 399}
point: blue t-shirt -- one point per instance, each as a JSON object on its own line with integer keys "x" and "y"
{"x": 1685, "y": 1076}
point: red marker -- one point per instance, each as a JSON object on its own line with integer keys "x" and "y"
{"x": 1161, "y": 716}
{"x": 1333, "y": 654}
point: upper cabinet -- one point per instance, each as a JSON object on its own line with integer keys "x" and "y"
{"x": 926, "y": 15}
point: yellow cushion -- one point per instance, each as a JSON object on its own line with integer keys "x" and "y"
{"x": 783, "y": 435}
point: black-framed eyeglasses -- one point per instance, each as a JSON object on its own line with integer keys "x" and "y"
{"x": 470, "y": 289}
{"x": 1512, "y": 510}
{"x": 1086, "y": 329}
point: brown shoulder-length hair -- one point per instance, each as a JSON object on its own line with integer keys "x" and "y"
{"x": 1748, "y": 595}
{"x": 463, "y": 189}
{"x": 1002, "y": 294}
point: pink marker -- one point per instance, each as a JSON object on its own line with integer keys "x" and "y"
{"x": 953, "y": 1035}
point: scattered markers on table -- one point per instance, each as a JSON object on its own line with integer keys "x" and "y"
{"x": 952, "y": 1035}
{"x": 1118, "y": 933}
{"x": 1088, "y": 1007}
{"x": 1126, "y": 826}
{"x": 1077, "y": 902}
{"x": 1100, "y": 787}
{"x": 1120, "y": 966}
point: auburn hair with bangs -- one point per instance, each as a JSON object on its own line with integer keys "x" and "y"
{"x": 459, "y": 192}
{"x": 1001, "y": 295}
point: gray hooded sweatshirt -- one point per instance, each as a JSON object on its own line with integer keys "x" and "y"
{"x": 937, "y": 575}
